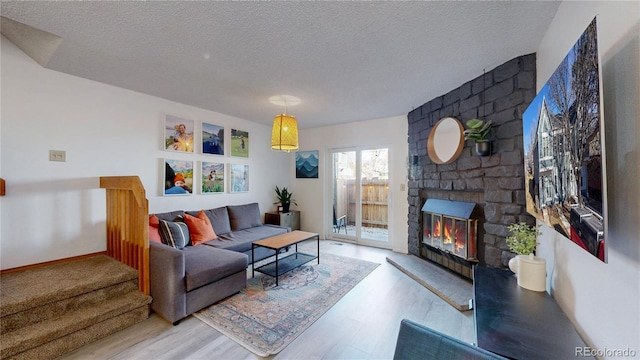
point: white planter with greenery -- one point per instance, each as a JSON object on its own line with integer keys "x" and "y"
{"x": 523, "y": 241}
{"x": 531, "y": 270}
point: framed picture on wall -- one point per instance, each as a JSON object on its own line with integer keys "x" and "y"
{"x": 213, "y": 177}
{"x": 212, "y": 139}
{"x": 307, "y": 164}
{"x": 178, "y": 177}
{"x": 239, "y": 178}
{"x": 178, "y": 134}
{"x": 564, "y": 149}
{"x": 239, "y": 143}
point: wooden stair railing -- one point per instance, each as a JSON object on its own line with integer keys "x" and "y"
{"x": 128, "y": 224}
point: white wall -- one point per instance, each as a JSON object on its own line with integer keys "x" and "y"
{"x": 603, "y": 299}
{"x": 314, "y": 197}
{"x": 56, "y": 210}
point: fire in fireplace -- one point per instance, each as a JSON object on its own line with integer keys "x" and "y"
{"x": 450, "y": 228}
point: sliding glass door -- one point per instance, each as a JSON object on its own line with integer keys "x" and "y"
{"x": 360, "y": 195}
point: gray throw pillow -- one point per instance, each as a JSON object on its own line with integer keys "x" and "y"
{"x": 174, "y": 234}
{"x": 244, "y": 216}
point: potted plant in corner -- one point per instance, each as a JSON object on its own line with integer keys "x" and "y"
{"x": 478, "y": 130}
{"x": 285, "y": 198}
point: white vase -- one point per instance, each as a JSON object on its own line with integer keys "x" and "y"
{"x": 532, "y": 272}
{"x": 513, "y": 265}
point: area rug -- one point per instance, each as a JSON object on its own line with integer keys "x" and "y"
{"x": 265, "y": 318}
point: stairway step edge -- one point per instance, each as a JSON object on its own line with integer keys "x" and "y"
{"x": 76, "y": 340}
{"x": 49, "y": 330}
{"x": 42, "y": 285}
{"x": 53, "y": 309}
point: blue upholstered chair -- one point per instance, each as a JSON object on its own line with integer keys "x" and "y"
{"x": 418, "y": 342}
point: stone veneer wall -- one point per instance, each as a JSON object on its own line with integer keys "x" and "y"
{"x": 496, "y": 182}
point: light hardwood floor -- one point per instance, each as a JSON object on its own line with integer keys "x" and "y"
{"x": 364, "y": 324}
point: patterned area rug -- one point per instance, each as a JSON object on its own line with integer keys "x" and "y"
{"x": 265, "y": 318}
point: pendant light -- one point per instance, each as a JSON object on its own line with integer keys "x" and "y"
{"x": 284, "y": 134}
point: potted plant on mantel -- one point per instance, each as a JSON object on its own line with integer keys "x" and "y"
{"x": 523, "y": 239}
{"x": 285, "y": 198}
{"x": 529, "y": 268}
{"x": 478, "y": 130}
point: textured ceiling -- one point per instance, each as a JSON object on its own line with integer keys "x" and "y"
{"x": 346, "y": 61}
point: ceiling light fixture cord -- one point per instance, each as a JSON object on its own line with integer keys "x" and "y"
{"x": 282, "y": 127}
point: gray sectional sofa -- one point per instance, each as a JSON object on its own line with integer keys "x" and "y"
{"x": 183, "y": 281}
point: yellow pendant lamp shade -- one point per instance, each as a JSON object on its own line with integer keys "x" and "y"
{"x": 284, "y": 135}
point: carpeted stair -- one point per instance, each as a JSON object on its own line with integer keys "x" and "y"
{"x": 52, "y": 310}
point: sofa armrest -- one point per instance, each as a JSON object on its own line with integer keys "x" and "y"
{"x": 167, "y": 281}
{"x": 416, "y": 341}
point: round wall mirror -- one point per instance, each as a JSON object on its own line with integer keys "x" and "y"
{"x": 446, "y": 141}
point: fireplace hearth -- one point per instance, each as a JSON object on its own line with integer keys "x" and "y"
{"x": 449, "y": 235}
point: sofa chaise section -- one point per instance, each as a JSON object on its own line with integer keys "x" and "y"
{"x": 185, "y": 281}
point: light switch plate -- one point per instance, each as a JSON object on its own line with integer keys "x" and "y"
{"x": 57, "y": 155}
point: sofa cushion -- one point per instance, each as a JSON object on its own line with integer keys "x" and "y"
{"x": 153, "y": 220}
{"x": 200, "y": 229}
{"x": 169, "y": 216}
{"x": 244, "y": 216}
{"x": 219, "y": 218}
{"x": 154, "y": 233}
{"x": 205, "y": 264}
{"x": 241, "y": 240}
{"x": 174, "y": 234}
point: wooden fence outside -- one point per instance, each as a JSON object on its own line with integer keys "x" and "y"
{"x": 375, "y": 194}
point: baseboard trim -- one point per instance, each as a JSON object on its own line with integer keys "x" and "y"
{"x": 46, "y": 263}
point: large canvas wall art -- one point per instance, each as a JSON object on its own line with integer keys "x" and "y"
{"x": 564, "y": 149}
{"x": 307, "y": 164}
{"x": 178, "y": 177}
{"x": 239, "y": 178}
{"x": 178, "y": 134}
{"x": 212, "y": 139}
{"x": 212, "y": 177}
{"x": 239, "y": 143}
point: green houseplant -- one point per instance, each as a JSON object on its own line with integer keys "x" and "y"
{"x": 285, "y": 198}
{"x": 529, "y": 269}
{"x": 478, "y": 131}
{"x": 523, "y": 239}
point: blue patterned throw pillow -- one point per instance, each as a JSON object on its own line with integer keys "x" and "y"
{"x": 174, "y": 234}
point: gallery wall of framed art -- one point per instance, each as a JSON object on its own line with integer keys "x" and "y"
{"x": 197, "y": 164}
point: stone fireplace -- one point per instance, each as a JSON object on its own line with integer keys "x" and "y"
{"x": 495, "y": 184}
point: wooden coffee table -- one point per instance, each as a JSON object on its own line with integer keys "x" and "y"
{"x": 282, "y": 265}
